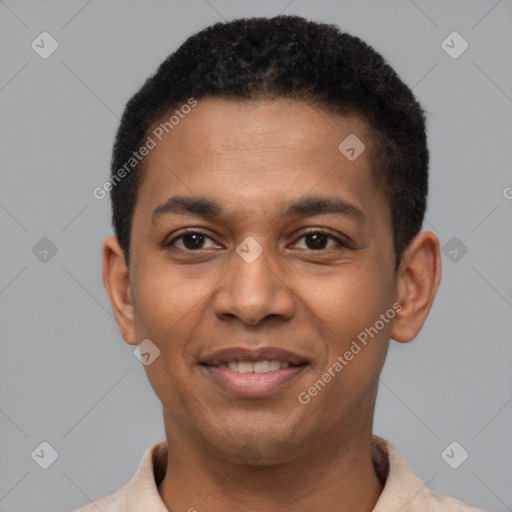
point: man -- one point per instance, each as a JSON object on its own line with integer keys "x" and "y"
{"x": 268, "y": 187}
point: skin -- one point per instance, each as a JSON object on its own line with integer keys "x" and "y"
{"x": 266, "y": 453}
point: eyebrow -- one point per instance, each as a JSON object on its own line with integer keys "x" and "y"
{"x": 308, "y": 206}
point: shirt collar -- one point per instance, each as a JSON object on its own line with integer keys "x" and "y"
{"x": 403, "y": 490}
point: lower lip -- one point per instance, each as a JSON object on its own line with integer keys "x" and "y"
{"x": 253, "y": 385}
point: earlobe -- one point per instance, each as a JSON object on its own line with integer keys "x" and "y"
{"x": 116, "y": 279}
{"x": 418, "y": 279}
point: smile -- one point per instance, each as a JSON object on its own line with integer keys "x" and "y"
{"x": 252, "y": 372}
{"x": 257, "y": 367}
{"x": 245, "y": 379}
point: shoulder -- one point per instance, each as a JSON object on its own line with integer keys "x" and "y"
{"x": 442, "y": 503}
{"x": 403, "y": 490}
{"x": 141, "y": 492}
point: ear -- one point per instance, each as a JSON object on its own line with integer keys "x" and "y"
{"x": 116, "y": 279}
{"x": 418, "y": 278}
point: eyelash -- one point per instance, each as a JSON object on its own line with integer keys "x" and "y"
{"x": 339, "y": 242}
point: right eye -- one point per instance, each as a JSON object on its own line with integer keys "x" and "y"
{"x": 191, "y": 240}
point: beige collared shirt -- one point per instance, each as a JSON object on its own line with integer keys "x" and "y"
{"x": 403, "y": 490}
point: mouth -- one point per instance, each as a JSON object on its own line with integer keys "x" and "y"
{"x": 265, "y": 366}
{"x": 253, "y": 373}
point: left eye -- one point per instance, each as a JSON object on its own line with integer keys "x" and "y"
{"x": 318, "y": 240}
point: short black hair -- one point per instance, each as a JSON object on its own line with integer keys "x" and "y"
{"x": 285, "y": 57}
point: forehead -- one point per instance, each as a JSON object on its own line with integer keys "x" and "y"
{"x": 221, "y": 128}
{"x": 266, "y": 152}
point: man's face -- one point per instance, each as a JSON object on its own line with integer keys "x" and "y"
{"x": 305, "y": 293}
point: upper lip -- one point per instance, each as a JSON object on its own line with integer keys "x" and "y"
{"x": 227, "y": 355}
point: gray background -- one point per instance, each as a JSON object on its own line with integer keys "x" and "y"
{"x": 66, "y": 376}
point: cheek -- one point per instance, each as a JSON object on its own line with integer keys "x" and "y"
{"x": 355, "y": 347}
{"x": 164, "y": 300}
{"x": 160, "y": 315}
{"x": 348, "y": 299}
{"x": 346, "y": 309}
{"x": 167, "y": 312}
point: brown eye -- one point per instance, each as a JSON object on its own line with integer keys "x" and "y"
{"x": 318, "y": 240}
{"x": 190, "y": 241}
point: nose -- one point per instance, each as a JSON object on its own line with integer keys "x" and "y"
{"x": 251, "y": 292}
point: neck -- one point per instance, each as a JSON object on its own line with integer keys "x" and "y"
{"x": 338, "y": 476}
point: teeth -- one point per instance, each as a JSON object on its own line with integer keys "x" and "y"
{"x": 245, "y": 367}
{"x": 259, "y": 367}
{"x": 274, "y": 365}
